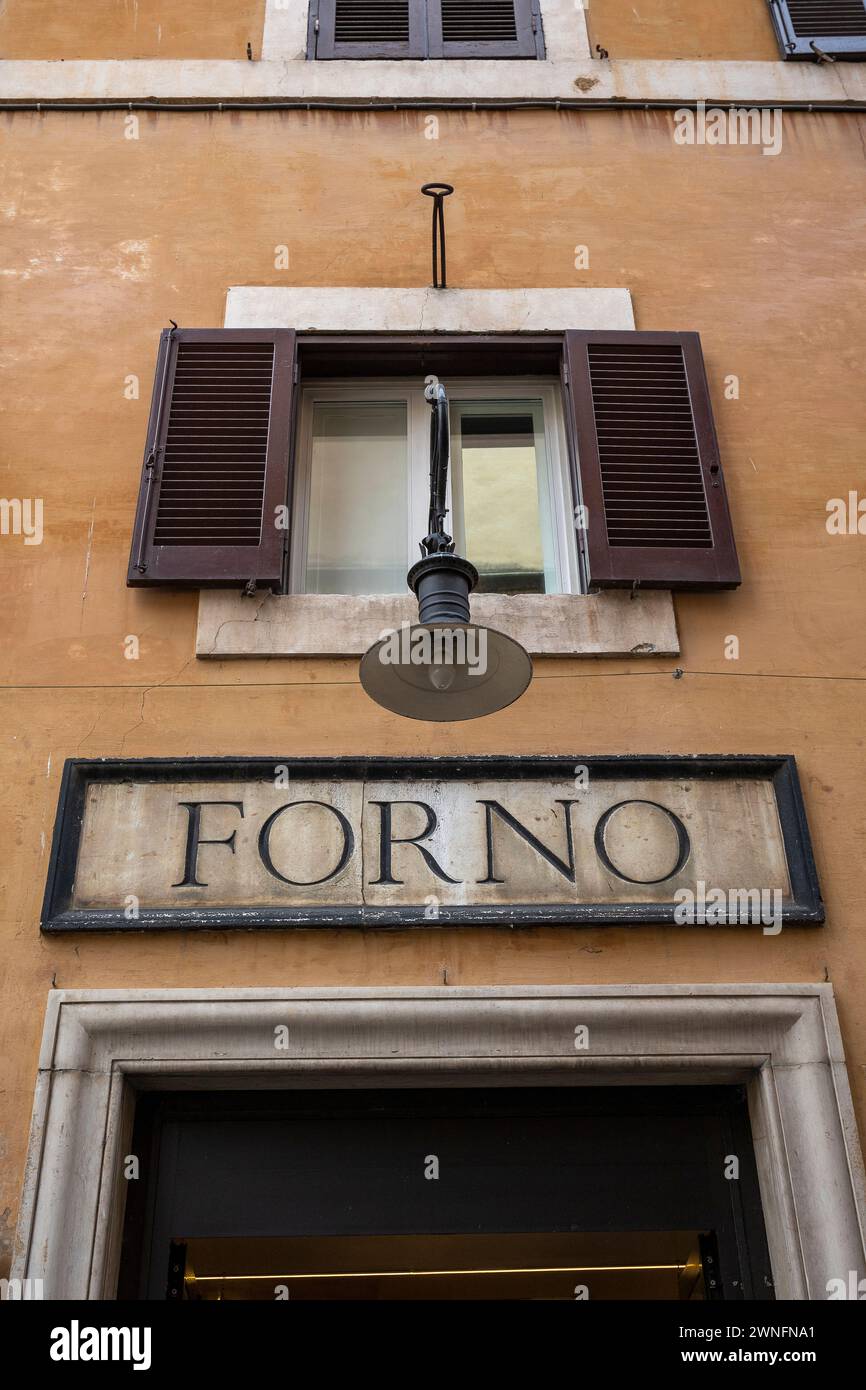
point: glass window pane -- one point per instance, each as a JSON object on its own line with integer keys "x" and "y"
{"x": 359, "y": 498}
{"x": 502, "y": 503}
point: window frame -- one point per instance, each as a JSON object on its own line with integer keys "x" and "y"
{"x": 426, "y": 41}
{"x": 400, "y": 388}
{"x": 605, "y": 564}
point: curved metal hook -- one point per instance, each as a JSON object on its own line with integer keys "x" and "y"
{"x": 438, "y": 192}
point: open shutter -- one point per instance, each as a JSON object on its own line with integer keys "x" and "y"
{"x": 216, "y": 463}
{"x": 648, "y": 462}
{"x": 367, "y": 29}
{"x": 484, "y": 29}
{"x": 835, "y": 27}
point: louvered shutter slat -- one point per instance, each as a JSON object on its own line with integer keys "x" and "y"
{"x": 217, "y": 460}
{"x": 836, "y": 27}
{"x": 485, "y": 29}
{"x": 478, "y": 20}
{"x": 368, "y": 29}
{"x": 649, "y": 472}
{"x": 371, "y": 21}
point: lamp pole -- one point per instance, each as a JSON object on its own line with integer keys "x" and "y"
{"x": 442, "y": 581}
{"x": 444, "y": 668}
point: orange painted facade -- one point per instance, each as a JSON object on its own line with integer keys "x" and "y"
{"x": 107, "y": 238}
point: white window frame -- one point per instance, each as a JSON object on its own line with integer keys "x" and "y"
{"x": 560, "y": 500}
{"x": 409, "y": 391}
{"x": 566, "y": 41}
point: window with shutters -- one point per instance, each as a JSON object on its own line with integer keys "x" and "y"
{"x": 600, "y": 472}
{"x": 811, "y": 28}
{"x": 361, "y": 29}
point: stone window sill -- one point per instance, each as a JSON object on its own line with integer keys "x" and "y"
{"x": 609, "y": 624}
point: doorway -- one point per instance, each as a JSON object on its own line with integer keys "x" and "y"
{"x": 612, "y": 1193}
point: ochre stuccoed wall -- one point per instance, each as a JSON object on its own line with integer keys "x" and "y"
{"x": 739, "y": 29}
{"x": 130, "y": 28}
{"x": 736, "y": 29}
{"x": 106, "y": 238}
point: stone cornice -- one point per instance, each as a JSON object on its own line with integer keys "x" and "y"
{"x": 582, "y": 83}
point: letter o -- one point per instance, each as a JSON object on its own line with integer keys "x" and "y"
{"x": 684, "y": 847}
{"x": 265, "y": 844}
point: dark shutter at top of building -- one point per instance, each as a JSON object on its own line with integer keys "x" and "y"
{"x": 484, "y": 29}
{"x": 216, "y": 460}
{"x": 425, "y": 29}
{"x": 810, "y": 28}
{"x": 367, "y": 29}
{"x": 649, "y": 475}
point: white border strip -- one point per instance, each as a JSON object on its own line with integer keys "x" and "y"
{"x": 436, "y": 81}
{"x": 358, "y": 309}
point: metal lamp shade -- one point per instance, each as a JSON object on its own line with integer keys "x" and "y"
{"x": 445, "y": 668}
{"x": 452, "y": 690}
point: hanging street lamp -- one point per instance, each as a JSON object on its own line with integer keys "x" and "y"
{"x": 443, "y": 668}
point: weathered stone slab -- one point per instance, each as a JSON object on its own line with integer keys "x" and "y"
{"x": 390, "y": 842}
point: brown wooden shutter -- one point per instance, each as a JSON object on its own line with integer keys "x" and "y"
{"x": 216, "y": 463}
{"x": 485, "y": 29}
{"x": 648, "y": 462}
{"x": 368, "y": 29}
{"x": 835, "y": 27}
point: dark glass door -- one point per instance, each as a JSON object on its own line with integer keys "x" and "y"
{"x": 554, "y": 1193}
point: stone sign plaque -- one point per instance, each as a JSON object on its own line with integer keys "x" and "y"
{"x": 279, "y": 843}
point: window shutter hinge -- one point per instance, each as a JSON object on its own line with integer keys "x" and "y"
{"x": 151, "y": 466}
{"x": 565, "y": 374}
{"x": 821, "y": 56}
{"x": 150, "y": 477}
{"x": 296, "y": 376}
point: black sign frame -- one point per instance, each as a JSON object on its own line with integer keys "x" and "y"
{"x": 804, "y": 907}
